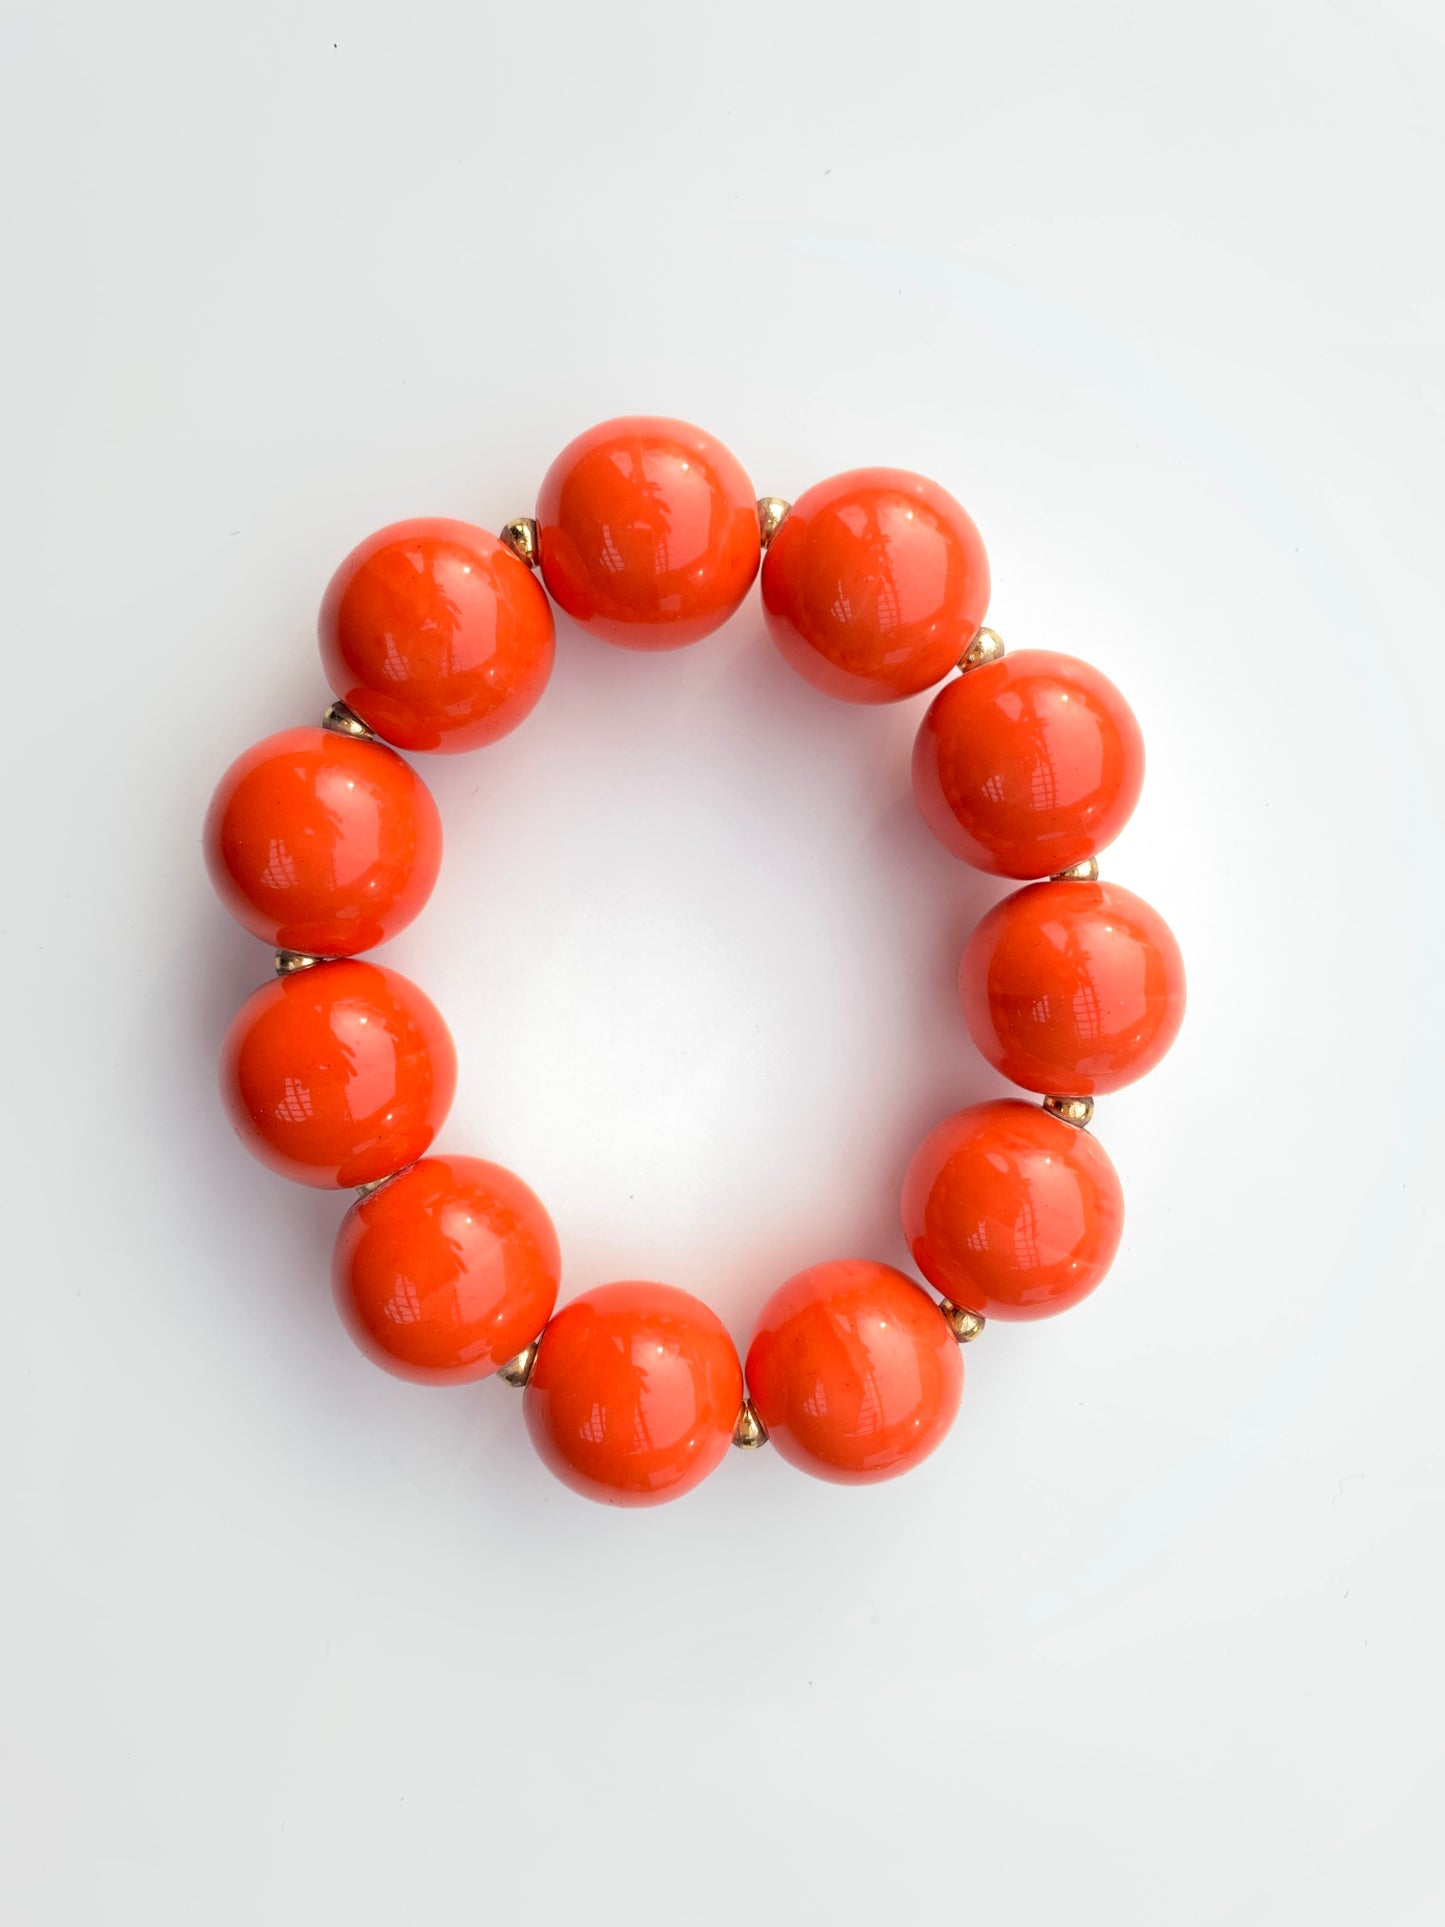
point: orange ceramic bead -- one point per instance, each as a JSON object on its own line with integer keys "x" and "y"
{"x": 447, "y": 1271}
{"x": 875, "y": 584}
{"x": 1072, "y": 988}
{"x": 437, "y": 635}
{"x": 1012, "y": 1213}
{"x": 648, "y": 531}
{"x": 634, "y": 1394}
{"x": 339, "y": 1074}
{"x": 321, "y": 842}
{"x": 854, "y": 1372}
{"x": 1029, "y": 765}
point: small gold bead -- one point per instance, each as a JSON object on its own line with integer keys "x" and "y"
{"x": 518, "y": 1370}
{"x": 987, "y": 646}
{"x": 375, "y": 1184}
{"x": 749, "y": 1432}
{"x": 771, "y": 511}
{"x": 344, "y": 720}
{"x": 288, "y": 962}
{"x": 520, "y": 536}
{"x": 1085, "y": 872}
{"x": 965, "y": 1325}
{"x": 1072, "y": 1110}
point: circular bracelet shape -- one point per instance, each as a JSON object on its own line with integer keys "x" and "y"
{"x": 339, "y": 1073}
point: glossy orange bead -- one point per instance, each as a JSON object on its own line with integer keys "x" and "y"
{"x": 437, "y": 635}
{"x": 1029, "y": 765}
{"x": 648, "y": 530}
{"x": 634, "y": 1394}
{"x": 1012, "y": 1213}
{"x": 338, "y": 1075}
{"x": 875, "y": 584}
{"x": 1072, "y": 988}
{"x": 321, "y": 842}
{"x": 447, "y": 1271}
{"x": 854, "y": 1372}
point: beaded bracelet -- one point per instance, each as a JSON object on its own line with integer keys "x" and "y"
{"x": 436, "y": 635}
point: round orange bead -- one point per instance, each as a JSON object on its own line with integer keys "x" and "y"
{"x": 447, "y": 1271}
{"x": 436, "y": 635}
{"x": 634, "y": 1394}
{"x": 648, "y": 531}
{"x": 338, "y": 1075}
{"x": 1012, "y": 1213}
{"x": 321, "y": 842}
{"x": 854, "y": 1372}
{"x": 1029, "y": 765}
{"x": 875, "y": 584}
{"x": 1072, "y": 988}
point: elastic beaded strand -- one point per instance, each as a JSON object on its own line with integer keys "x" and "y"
{"x": 874, "y": 585}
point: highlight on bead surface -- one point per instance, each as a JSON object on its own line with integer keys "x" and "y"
{"x": 875, "y": 584}
{"x": 1028, "y": 765}
{"x": 436, "y": 636}
{"x": 647, "y": 532}
{"x": 1010, "y": 1213}
{"x": 634, "y": 1394}
{"x": 853, "y": 1372}
{"x": 339, "y": 1074}
{"x": 322, "y": 844}
{"x": 447, "y": 1271}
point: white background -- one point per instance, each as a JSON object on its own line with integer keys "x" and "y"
{"x": 1156, "y": 1637}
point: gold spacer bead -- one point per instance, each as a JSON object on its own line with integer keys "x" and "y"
{"x": 1085, "y": 872}
{"x": 965, "y": 1325}
{"x": 772, "y": 511}
{"x": 749, "y": 1432}
{"x": 520, "y": 536}
{"x": 987, "y": 646}
{"x": 344, "y": 720}
{"x": 518, "y": 1370}
{"x": 288, "y": 962}
{"x": 1071, "y": 1110}
{"x": 375, "y": 1184}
